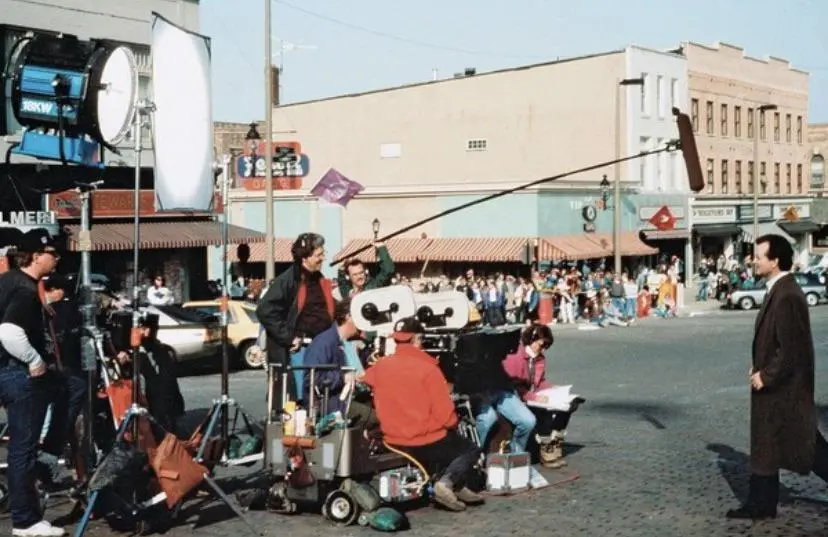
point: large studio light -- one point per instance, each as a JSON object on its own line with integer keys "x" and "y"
{"x": 72, "y": 96}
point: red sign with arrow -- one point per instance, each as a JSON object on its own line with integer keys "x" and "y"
{"x": 663, "y": 219}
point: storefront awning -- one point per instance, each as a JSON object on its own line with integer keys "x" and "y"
{"x": 403, "y": 250}
{"x": 478, "y": 250}
{"x": 800, "y": 227}
{"x": 258, "y": 251}
{"x": 666, "y": 235}
{"x": 631, "y": 244}
{"x": 717, "y": 230}
{"x": 764, "y": 228}
{"x": 571, "y": 248}
{"x": 161, "y": 235}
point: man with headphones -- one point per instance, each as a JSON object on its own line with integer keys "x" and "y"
{"x": 297, "y": 306}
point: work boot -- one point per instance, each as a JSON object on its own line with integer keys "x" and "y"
{"x": 551, "y": 451}
{"x": 444, "y": 495}
{"x": 469, "y": 497}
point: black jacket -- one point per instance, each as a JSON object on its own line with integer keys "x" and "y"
{"x": 277, "y": 312}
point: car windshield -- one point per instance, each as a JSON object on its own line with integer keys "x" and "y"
{"x": 187, "y": 315}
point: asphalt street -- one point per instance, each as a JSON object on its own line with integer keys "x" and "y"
{"x": 660, "y": 447}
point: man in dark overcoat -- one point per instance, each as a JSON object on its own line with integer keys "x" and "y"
{"x": 783, "y": 423}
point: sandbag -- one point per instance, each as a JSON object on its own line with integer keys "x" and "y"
{"x": 386, "y": 519}
{"x": 364, "y": 494}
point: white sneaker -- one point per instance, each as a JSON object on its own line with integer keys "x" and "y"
{"x": 41, "y": 529}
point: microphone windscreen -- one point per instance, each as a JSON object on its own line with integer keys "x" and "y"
{"x": 691, "y": 153}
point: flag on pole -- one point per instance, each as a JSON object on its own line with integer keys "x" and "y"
{"x": 336, "y": 188}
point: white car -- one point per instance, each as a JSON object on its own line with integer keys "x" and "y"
{"x": 190, "y": 335}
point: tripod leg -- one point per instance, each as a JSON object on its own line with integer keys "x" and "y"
{"x": 215, "y": 414}
{"x": 229, "y": 502}
{"x": 80, "y": 529}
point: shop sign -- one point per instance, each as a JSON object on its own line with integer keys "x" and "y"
{"x": 782, "y": 211}
{"x": 28, "y": 220}
{"x": 114, "y": 204}
{"x": 745, "y": 212}
{"x": 288, "y": 167}
{"x": 646, "y": 213}
{"x": 703, "y": 215}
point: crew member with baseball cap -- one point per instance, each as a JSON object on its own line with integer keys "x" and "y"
{"x": 24, "y": 386}
{"x": 417, "y": 416}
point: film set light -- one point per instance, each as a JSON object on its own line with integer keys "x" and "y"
{"x": 71, "y": 96}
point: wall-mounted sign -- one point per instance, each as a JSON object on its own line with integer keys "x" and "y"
{"x": 712, "y": 215}
{"x": 114, "y": 204}
{"x": 590, "y": 213}
{"x": 663, "y": 219}
{"x": 28, "y": 220}
{"x": 745, "y": 212}
{"x": 647, "y": 212}
{"x": 783, "y": 210}
{"x": 289, "y": 166}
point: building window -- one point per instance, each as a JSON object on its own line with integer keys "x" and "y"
{"x": 674, "y": 93}
{"x": 751, "y": 173}
{"x": 799, "y": 178}
{"x": 776, "y": 178}
{"x": 644, "y": 145}
{"x": 476, "y": 145}
{"x": 763, "y": 178}
{"x": 723, "y": 119}
{"x": 725, "y": 182}
{"x": 750, "y": 124}
{"x": 710, "y": 170}
{"x": 660, "y": 90}
{"x": 799, "y": 129}
{"x": 788, "y": 179}
{"x": 763, "y": 134}
{"x": 788, "y": 128}
{"x": 737, "y": 121}
{"x": 694, "y": 114}
{"x": 817, "y": 171}
{"x": 645, "y": 107}
{"x": 737, "y": 172}
{"x": 709, "y": 117}
{"x": 776, "y": 126}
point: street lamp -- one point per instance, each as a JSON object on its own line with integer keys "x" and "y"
{"x": 616, "y": 214}
{"x": 605, "y": 188}
{"x": 252, "y": 140}
{"x": 375, "y": 226}
{"x": 757, "y": 131}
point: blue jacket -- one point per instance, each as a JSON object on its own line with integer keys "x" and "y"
{"x": 325, "y": 349}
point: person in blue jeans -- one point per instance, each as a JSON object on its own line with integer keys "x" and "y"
{"x": 25, "y": 383}
{"x": 508, "y": 404}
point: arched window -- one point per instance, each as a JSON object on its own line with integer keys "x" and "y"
{"x": 817, "y": 171}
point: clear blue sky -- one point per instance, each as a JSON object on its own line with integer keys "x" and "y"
{"x": 370, "y": 44}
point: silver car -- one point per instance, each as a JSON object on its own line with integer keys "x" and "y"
{"x": 749, "y": 297}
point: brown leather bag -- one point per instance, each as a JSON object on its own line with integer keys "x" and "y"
{"x": 178, "y": 474}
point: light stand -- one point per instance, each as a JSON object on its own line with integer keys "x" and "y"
{"x": 131, "y": 419}
{"x": 219, "y": 413}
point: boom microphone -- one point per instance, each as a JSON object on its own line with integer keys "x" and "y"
{"x": 686, "y": 143}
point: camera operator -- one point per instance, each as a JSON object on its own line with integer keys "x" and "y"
{"x": 25, "y": 389}
{"x": 297, "y": 307}
{"x": 417, "y": 415}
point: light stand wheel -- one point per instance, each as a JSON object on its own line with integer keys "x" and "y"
{"x": 340, "y": 508}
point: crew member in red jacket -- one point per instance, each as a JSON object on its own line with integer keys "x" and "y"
{"x": 417, "y": 416}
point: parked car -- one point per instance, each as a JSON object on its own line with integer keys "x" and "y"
{"x": 190, "y": 335}
{"x": 242, "y": 329}
{"x": 749, "y": 297}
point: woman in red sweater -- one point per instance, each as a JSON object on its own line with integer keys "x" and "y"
{"x": 527, "y": 368}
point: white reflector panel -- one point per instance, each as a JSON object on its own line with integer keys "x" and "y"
{"x": 183, "y": 122}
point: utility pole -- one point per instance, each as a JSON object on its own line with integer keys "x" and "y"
{"x": 270, "y": 269}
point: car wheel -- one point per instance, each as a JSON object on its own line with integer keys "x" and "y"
{"x": 340, "y": 508}
{"x": 251, "y": 356}
{"x": 812, "y": 299}
{"x": 747, "y": 303}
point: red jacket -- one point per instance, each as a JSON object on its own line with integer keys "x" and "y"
{"x": 412, "y": 397}
{"x": 517, "y": 367}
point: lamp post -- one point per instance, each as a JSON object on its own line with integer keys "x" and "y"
{"x": 616, "y": 214}
{"x": 270, "y": 269}
{"x": 605, "y": 187}
{"x": 375, "y": 226}
{"x": 252, "y": 139}
{"x": 757, "y": 131}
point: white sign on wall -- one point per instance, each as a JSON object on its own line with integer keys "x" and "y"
{"x": 702, "y": 215}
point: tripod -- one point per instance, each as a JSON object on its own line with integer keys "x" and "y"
{"x": 135, "y": 412}
{"x": 219, "y": 412}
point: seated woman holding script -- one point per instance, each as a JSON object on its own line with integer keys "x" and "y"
{"x": 552, "y": 405}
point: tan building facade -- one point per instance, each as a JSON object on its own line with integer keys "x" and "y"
{"x": 817, "y": 152}
{"x": 733, "y": 99}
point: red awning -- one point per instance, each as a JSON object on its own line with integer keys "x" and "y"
{"x": 161, "y": 235}
{"x": 258, "y": 251}
{"x": 571, "y": 247}
{"x": 631, "y": 244}
{"x": 478, "y": 250}
{"x": 402, "y": 250}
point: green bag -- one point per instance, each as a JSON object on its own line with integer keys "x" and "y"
{"x": 386, "y": 519}
{"x": 364, "y": 494}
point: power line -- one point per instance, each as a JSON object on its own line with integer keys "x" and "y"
{"x": 405, "y": 39}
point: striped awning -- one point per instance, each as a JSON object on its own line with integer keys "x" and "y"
{"x": 161, "y": 235}
{"x": 402, "y": 250}
{"x": 631, "y": 244}
{"x": 571, "y": 247}
{"x": 258, "y": 251}
{"x": 478, "y": 250}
